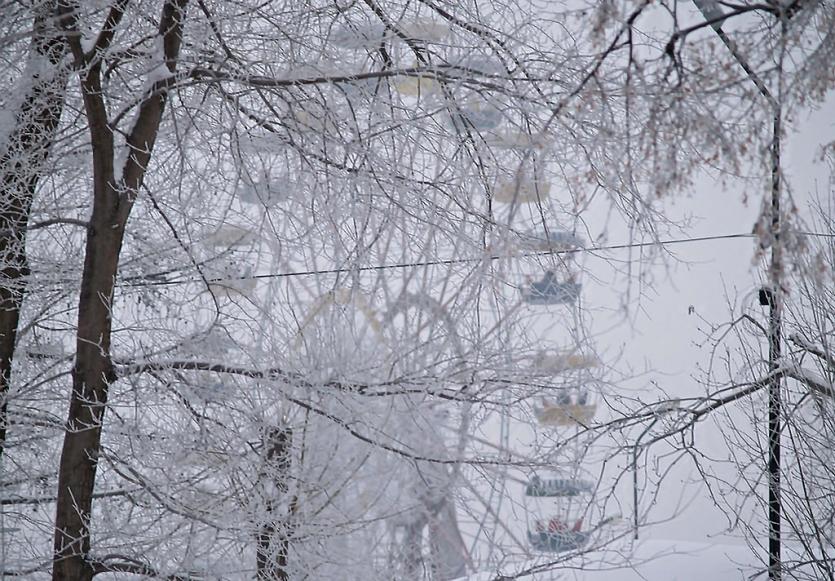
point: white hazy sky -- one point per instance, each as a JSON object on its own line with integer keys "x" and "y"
{"x": 662, "y": 336}
{"x": 658, "y": 340}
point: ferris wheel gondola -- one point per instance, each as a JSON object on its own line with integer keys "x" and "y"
{"x": 230, "y": 278}
{"x": 416, "y": 85}
{"x": 424, "y": 29}
{"x": 524, "y": 188}
{"x": 369, "y": 35}
{"x": 551, "y": 240}
{"x": 569, "y": 409}
{"x": 228, "y": 236}
{"x": 551, "y": 291}
{"x": 555, "y": 536}
{"x": 564, "y": 498}
{"x": 268, "y": 167}
{"x": 557, "y": 486}
{"x": 477, "y": 115}
{"x": 548, "y": 363}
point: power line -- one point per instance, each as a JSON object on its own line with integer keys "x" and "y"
{"x": 466, "y": 260}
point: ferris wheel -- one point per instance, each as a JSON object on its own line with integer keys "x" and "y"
{"x": 424, "y": 322}
{"x": 556, "y": 501}
{"x": 417, "y": 336}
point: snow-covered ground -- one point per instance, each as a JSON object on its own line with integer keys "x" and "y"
{"x": 647, "y": 560}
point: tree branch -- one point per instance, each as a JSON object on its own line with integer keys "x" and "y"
{"x": 814, "y": 350}
{"x": 117, "y": 11}
{"x": 125, "y": 564}
{"x": 276, "y": 373}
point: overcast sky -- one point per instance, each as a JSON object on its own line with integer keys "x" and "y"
{"x": 712, "y": 273}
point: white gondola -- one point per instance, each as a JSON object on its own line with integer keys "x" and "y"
{"x": 48, "y": 350}
{"x": 370, "y": 35}
{"x": 358, "y": 36}
{"x": 317, "y": 122}
{"x": 268, "y": 169}
{"x": 264, "y": 192}
{"x": 362, "y": 89}
{"x": 480, "y": 65}
{"x": 230, "y": 236}
{"x": 217, "y": 341}
{"x": 424, "y": 30}
{"x": 552, "y": 240}
{"x": 478, "y": 116}
{"x": 550, "y": 291}
{"x": 524, "y": 189}
{"x": 230, "y": 279}
{"x": 516, "y": 140}
{"x": 211, "y": 392}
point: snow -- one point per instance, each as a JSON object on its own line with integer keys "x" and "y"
{"x": 661, "y": 560}
{"x": 38, "y": 69}
{"x": 158, "y": 70}
{"x": 88, "y": 42}
{"x": 814, "y": 380}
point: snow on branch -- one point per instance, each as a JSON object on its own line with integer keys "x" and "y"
{"x": 125, "y": 564}
{"x": 397, "y": 386}
{"x": 812, "y": 380}
{"x": 813, "y": 349}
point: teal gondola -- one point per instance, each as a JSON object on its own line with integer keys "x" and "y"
{"x": 557, "y": 487}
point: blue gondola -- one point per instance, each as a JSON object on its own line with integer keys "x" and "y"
{"x": 557, "y": 487}
{"x": 557, "y": 542}
{"x": 549, "y": 291}
{"x": 564, "y": 398}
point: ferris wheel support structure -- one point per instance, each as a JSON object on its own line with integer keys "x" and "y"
{"x": 449, "y": 555}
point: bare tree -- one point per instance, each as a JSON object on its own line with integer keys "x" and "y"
{"x": 113, "y": 199}
{"x": 37, "y": 111}
{"x": 303, "y": 296}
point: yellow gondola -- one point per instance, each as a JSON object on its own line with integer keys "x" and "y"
{"x": 564, "y": 414}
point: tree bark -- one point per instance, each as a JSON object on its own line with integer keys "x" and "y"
{"x": 446, "y": 544}
{"x": 273, "y": 533}
{"x": 112, "y": 203}
{"x": 21, "y": 165}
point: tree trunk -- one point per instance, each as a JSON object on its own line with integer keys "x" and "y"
{"x": 91, "y": 377}
{"x": 112, "y": 203}
{"x": 446, "y": 545}
{"x": 273, "y": 532}
{"x": 412, "y": 549}
{"x": 21, "y": 164}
